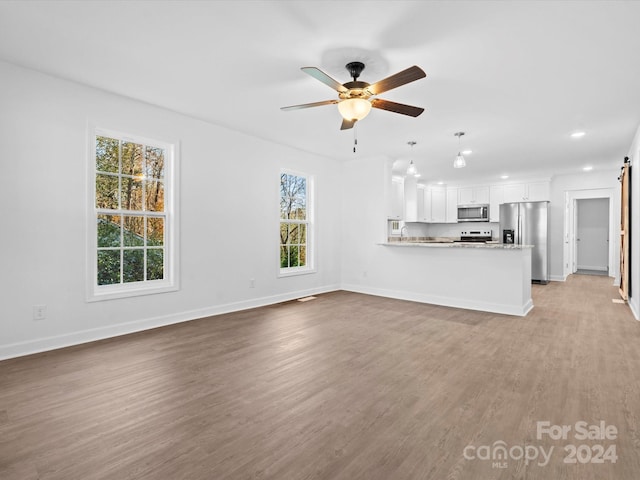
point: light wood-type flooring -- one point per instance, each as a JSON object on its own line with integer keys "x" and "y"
{"x": 345, "y": 387}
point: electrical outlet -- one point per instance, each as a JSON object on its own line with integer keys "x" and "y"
{"x": 39, "y": 312}
{"x": 252, "y": 283}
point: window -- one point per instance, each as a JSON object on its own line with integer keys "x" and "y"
{"x": 131, "y": 241}
{"x": 295, "y": 224}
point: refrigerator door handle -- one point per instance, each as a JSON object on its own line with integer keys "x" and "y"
{"x": 520, "y": 236}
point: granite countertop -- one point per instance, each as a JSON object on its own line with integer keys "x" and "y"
{"x": 446, "y": 242}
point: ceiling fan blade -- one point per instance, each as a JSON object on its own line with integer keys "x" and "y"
{"x": 347, "y": 124}
{"x": 324, "y": 78}
{"x": 308, "y": 105}
{"x": 396, "y": 107}
{"x": 409, "y": 75}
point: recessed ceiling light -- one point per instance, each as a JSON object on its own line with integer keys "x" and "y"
{"x": 504, "y": 177}
{"x": 467, "y": 152}
{"x": 587, "y": 169}
{"x": 440, "y": 183}
{"x": 577, "y": 134}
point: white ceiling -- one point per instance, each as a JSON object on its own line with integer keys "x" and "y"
{"x": 518, "y": 77}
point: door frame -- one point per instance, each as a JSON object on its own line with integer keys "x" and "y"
{"x": 576, "y": 214}
{"x": 570, "y": 222}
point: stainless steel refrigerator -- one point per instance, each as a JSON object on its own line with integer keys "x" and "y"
{"x": 527, "y": 223}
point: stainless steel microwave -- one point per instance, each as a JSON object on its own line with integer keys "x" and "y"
{"x": 473, "y": 213}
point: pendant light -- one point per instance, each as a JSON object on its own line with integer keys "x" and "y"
{"x": 411, "y": 169}
{"x": 459, "y": 162}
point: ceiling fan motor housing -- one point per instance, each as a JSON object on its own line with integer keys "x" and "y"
{"x": 355, "y": 69}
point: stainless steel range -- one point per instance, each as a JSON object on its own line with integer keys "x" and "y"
{"x": 475, "y": 236}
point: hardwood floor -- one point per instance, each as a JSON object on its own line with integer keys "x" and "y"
{"x": 346, "y": 386}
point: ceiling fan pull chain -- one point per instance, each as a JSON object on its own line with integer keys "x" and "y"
{"x": 355, "y": 137}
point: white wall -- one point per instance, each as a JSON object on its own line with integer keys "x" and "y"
{"x": 228, "y": 215}
{"x": 561, "y": 185}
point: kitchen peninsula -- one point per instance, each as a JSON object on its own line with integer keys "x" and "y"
{"x": 492, "y": 277}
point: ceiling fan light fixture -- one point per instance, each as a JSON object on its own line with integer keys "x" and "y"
{"x": 354, "y": 108}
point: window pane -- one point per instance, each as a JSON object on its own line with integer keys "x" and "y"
{"x": 284, "y": 256}
{"x": 303, "y": 234}
{"x": 293, "y": 197}
{"x": 108, "y": 231}
{"x": 293, "y": 256}
{"x": 155, "y": 231}
{"x": 303, "y": 255}
{"x": 155, "y": 265}
{"x": 154, "y": 163}
{"x": 131, "y": 194}
{"x": 293, "y": 232}
{"x": 108, "y": 267}
{"x": 132, "y": 159}
{"x": 133, "y": 266}
{"x": 284, "y": 233}
{"x": 107, "y": 154}
{"x": 154, "y": 196}
{"x": 133, "y": 233}
{"x": 107, "y": 192}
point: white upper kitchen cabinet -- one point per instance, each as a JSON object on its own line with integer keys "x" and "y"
{"x": 452, "y": 205}
{"x": 526, "y": 192}
{"x": 538, "y": 192}
{"x": 396, "y": 199}
{"x": 410, "y": 199}
{"x": 513, "y": 193}
{"x": 473, "y": 195}
{"x": 438, "y": 205}
{"x": 422, "y": 207}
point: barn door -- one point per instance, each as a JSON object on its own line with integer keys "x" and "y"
{"x": 624, "y": 231}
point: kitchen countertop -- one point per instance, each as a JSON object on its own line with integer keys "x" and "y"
{"x": 452, "y": 244}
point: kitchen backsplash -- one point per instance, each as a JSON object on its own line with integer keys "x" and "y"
{"x": 447, "y": 229}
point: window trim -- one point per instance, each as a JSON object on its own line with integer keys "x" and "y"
{"x": 310, "y": 267}
{"x": 170, "y": 282}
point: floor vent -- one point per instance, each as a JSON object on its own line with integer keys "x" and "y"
{"x": 306, "y": 299}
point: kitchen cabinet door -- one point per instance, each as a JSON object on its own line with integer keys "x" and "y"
{"x": 427, "y": 205}
{"x": 422, "y": 214}
{"x": 465, "y": 196}
{"x": 396, "y": 200}
{"x": 514, "y": 193}
{"x": 438, "y": 205}
{"x": 538, "y": 192}
{"x": 452, "y": 205}
{"x": 481, "y": 195}
{"x": 410, "y": 200}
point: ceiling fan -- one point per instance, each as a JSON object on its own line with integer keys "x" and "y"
{"x": 355, "y": 98}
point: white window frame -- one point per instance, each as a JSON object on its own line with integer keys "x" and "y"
{"x": 309, "y": 222}
{"x": 170, "y": 282}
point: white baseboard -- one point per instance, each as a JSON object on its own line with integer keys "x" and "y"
{"x": 634, "y": 309}
{"x": 599, "y": 268}
{"x": 558, "y": 278}
{"x": 75, "y": 338}
{"x": 506, "y": 309}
